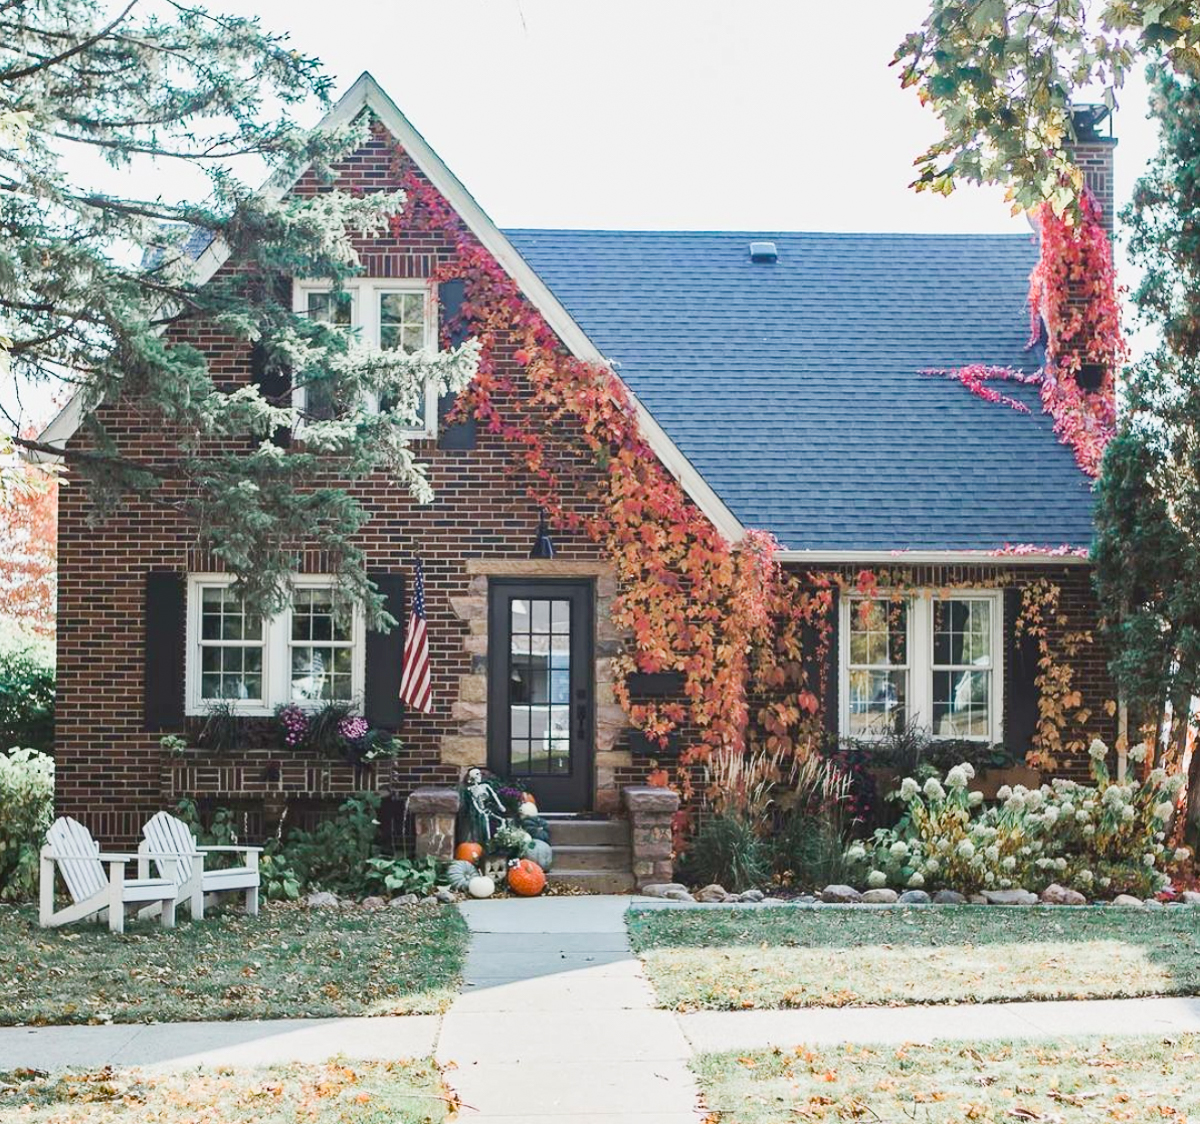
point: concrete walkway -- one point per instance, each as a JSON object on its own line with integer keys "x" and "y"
{"x": 557, "y": 1022}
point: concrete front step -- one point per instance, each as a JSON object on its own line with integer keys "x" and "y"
{"x": 593, "y": 858}
{"x": 595, "y": 881}
{"x": 571, "y": 831}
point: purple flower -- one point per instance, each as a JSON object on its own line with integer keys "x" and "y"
{"x": 353, "y": 729}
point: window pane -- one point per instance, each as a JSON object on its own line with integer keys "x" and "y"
{"x": 962, "y": 633}
{"x": 330, "y": 308}
{"x": 877, "y": 702}
{"x": 961, "y": 704}
{"x": 878, "y": 633}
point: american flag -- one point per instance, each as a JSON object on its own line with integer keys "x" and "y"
{"x": 415, "y": 686}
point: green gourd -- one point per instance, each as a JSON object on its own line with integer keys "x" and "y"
{"x": 540, "y": 852}
{"x": 459, "y": 873}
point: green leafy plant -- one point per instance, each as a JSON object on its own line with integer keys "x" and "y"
{"x": 280, "y": 882}
{"x": 26, "y": 809}
{"x": 173, "y": 745}
{"x": 402, "y": 876}
{"x": 334, "y": 854}
{"x": 27, "y": 694}
{"x": 810, "y": 850}
{"x": 727, "y": 850}
{"x": 221, "y": 731}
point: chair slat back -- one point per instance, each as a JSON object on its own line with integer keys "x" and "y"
{"x": 167, "y": 835}
{"x": 77, "y": 858}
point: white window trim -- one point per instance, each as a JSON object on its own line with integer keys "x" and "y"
{"x": 919, "y": 648}
{"x": 365, "y": 293}
{"x": 276, "y": 651}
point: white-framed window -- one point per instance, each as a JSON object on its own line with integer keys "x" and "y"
{"x": 389, "y": 313}
{"x": 306, "y": 654}
{"x": 932, "y": 660}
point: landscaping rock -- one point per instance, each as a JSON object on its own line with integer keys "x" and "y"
{"x": 1010, "y": 897}
{"x": 1153, "y": 903}
{"x": 372, "y": 904}
{"x": 677, "y": 895}
{"x": 1128, "y": 901}
{"x": 322, "y": 899}
{"x": 840, "y": 895}
{"x": 661, "y": 889}
{"x": 881, "y": 896}
{"x": 1054, "y": 894}
{"x": 429, "y": 899}
{"x": 977, "y": 899}
{"x": 712, "y": 893}
{"x": 445, "y": 895}
{"x": 751, "y": 896}
{"x": 403, "y": 900}
{"x": 949, "y": 897}
{"x": 779, "y": 901}
{"x": 913, "y": 897}
{"x": 803, "y": 899}
{"x": 1189, "y": 897}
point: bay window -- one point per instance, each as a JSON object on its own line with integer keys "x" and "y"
{"x": 307, "y": 654}
{"x": 929, "y": 661}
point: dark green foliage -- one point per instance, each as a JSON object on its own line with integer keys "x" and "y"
{"x": 26, "y": 809}
{"x": 809, "y": 851}
{"x": 727, "y": 851}
{"x": 324, "y": 735}
{"x": 333, "y": 856}
{"x": 392, "y": 876}
{"x": 914, "y": 750}
{"x": 1147, "y": 548}
{"x": 27, "y": 695}
{"x": 222, "y": 729}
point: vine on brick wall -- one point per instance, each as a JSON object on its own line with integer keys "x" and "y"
{"x": 726, "y": 616}
{"x": 1073, "y": 291}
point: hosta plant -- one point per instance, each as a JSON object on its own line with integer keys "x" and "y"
{"x": 1103, "y": 839}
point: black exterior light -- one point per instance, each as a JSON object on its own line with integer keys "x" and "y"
{"x": 543, "y": 544}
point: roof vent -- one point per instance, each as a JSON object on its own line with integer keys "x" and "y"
{"x": 763, "y": 251}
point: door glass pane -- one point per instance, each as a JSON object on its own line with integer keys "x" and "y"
{"x": 539, "y": 687}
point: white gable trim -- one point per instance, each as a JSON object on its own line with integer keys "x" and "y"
{"x": 366, "y": 93}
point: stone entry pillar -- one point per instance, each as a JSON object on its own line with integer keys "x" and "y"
{"x": 650, "y": 812}
{"x": 434, "y": 811}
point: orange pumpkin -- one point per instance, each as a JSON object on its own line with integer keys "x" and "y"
{"x": 525, "y": 878}
{"x": 472, "y": 852}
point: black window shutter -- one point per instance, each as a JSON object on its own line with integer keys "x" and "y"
{"x": 385, "y": 655}
{"x": 1021, "y": 657}
{"x": 163, "y": 650}
{"x": 831, "y": 703}
{"x": 460, "y": 435}
{"x": 274, "y": 384}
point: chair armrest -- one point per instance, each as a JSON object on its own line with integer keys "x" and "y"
{"x": 239, "y": 847}
{"x": 169, "y": 855}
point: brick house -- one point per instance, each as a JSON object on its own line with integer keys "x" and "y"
{"x": 778, "y": 377}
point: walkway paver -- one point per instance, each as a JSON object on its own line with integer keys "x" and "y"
{"x": 557, "y": 1021}
{"x": 188, "y": 1045}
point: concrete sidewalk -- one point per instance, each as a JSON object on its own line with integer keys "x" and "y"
{"x": 557, "y": 1022}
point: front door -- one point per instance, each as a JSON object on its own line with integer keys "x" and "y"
{"x": 540, "y": 689}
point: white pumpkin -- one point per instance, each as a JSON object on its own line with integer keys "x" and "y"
{"x": 526, "y": 809}
{"x": 481, "y": 886}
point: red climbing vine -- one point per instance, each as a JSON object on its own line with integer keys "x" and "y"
{"x": 727, "y": 616}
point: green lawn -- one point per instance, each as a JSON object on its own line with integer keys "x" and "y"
{"x": 1075, "y": 1081}
{"x": 735, "y": 959}
{"x": 288, "y": 961}
{"x": 338, "y": 1092}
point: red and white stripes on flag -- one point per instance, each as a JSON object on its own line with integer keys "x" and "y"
{"x": 415, "y": 687}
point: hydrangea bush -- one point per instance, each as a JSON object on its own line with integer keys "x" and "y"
{"x": 1105, "y": 839}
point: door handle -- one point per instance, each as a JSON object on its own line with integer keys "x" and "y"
{"x": 581, "y": 717}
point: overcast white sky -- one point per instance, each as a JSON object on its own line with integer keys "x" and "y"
{"x": 687, "y": 114}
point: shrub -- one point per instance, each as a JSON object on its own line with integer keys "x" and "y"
{"x": 27, "y": 693}
{"x": 402, "y": 876}
{"x": 728, "y": 850}
{"x": 1109, "y": 838}
{"x": 810, "y": 850}
{"x": 333, "y": 856}
{"x": 26, "y": 809}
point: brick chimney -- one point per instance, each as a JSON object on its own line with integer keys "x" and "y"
{"x": 1092, "y": 153}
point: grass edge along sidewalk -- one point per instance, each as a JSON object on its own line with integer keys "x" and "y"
{"x": 787, "y": 958}
{"x": 1137, "y": 1080}
{"x": 289, "y": 962}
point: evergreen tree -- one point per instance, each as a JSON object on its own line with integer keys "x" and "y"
{"x": 98, "y": 289}
{"x": 1147, "y": 549}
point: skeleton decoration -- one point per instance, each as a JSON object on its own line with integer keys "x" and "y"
{"x": 486, "y": 808}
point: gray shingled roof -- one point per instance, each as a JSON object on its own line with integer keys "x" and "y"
{"x": 795, "y": 388}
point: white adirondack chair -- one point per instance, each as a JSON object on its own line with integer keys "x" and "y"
{"x": 71, "y": 848}
{"x": 168, "y": 839}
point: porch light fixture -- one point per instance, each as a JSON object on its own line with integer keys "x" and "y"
{"x": 543, "y": 544}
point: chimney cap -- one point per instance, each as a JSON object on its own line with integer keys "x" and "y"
{"x": 1086, "y": 120}
{"x": 763, "y": 252}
